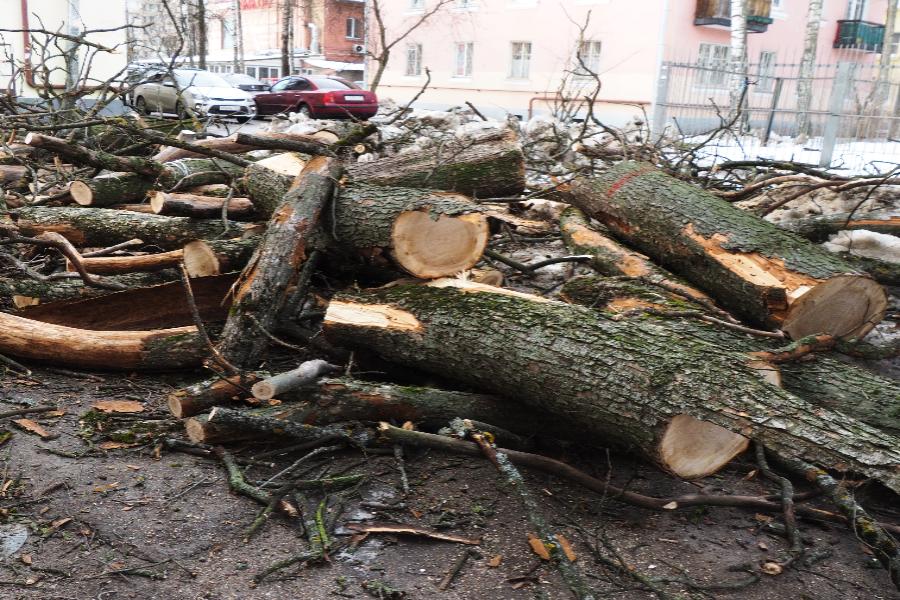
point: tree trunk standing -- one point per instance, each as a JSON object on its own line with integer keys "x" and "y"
{"x": 770, "y": 276}
{"x": 238, "y": 37}
{"x": 201, "y": 33}
{"x": 287, "y": 17}
{"x": 738, "y": 55}
{"x": 808, "y": 68}
{"x": 633, "y": 383}
{"x": 883, "y": 87}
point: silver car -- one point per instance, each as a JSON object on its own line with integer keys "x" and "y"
{"x": 185, "y": 91}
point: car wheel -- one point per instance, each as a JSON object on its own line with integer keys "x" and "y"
{"x": 141, "y": 106}
{"x": 303, "y": 109}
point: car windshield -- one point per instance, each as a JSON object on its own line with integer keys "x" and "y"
{"x": 199, "y": 79}
{"x": 327, "y": 83}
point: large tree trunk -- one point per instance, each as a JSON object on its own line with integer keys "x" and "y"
{"x": 808, "y": 67}
{"x": 637, "y": 384}
{"x": 104, "y": 227}
{"x": 262, "y": 289}
{"x": 770, "y": 276}
{"x": 490, "y": 166}
{"x": 66, "y": 346}
{"x": 245, "y": 142}
{"x": 268, "y": 181}
{"x": 819, "y": 379}
{"x": 24, "y": 292}
{"x": 428, "y": 234}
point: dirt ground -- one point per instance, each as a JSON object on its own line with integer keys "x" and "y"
{"x": 124, "y": 523}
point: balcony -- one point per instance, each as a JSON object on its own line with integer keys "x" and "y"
{"x": 859, "y": 35}
{"x": 717, "y": 13}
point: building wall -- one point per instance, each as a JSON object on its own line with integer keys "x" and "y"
{"x": 336, "y": 45}
{"x": 635, "y": 35}
{"x": 54, "y": 14}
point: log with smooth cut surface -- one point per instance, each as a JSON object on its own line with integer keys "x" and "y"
{"x": 427, "y": 233}
{"x": 172, "y": 348}
{"x": 199, "y": 207}
{"x": 637, "y": 384}
{"x": 770, "y": 276}
{"x": 211, "y": 257}
{"x": 306, "y": 373}
{"x": 140, "y": 263}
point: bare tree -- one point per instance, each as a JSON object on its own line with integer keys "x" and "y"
{"x": 200, "y": 21}
{"x": 807, "y": 67}
{"x": 381, "y": 45}
{"x": 738, "y": 55}
{"x": 287, "y": 26}
{"x": 238, "y": 37}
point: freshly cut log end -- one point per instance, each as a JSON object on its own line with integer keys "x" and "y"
{"x": 211, "y": 257}
{"x": 846, "y": 306}
{"x": 429, "y": 248}
{"x": 81, "y": 193}
{"x": 202, "y": 396}
{"x": 691, "y": 448}
{"x": 200, "y": 260}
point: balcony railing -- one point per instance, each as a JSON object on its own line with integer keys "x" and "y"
{"x": 717, "y": 13}
{"x": 859, "y": 35}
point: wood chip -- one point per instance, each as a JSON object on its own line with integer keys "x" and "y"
{"x": 32, "y": 427}
{"x": 114, "y": 445}
{"x": 495, "y": 561}
{"x": 119, "y": 406}
{"x": 771, "y": 568}
{"x": 412, "y": 530}
{"x": 60, "y": 522}
{"x": 26, "y": 559}
{"x": 538, "y": 547}
{"x": 566, "y": 548}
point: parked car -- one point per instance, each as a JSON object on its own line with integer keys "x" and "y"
{"x": 317, "y": 97}
{"x": 247, "y": 83}
{"x": 186, "y": 90}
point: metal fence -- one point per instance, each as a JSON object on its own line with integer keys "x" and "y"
{"x": 853, "y": 115}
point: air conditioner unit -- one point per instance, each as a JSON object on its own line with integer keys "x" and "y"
{"x": 359, "y": 48}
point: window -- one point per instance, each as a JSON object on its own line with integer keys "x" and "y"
{"x": 298, "y": 85}
{"x": 281, "y": 85}
{"x": 713, "y": 63}
{"x": 353, "y": 28}
{"x": 414, "y": 59}
{"x": 465, "y": 3}
{"x": 765, "y": 77}
{"x": 227, "y": 33}
{"x": 856, "y": 10}
{"x": 416, "y": 4}
{"x": 588, "y": 60}
{"x": 463, "y": 59}
{"x": 895, "y": 44}
{"x": 521, "y": 60}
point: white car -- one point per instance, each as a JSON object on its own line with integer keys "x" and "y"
{"x": 185, "y": 91}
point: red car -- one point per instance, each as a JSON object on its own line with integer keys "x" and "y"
{"x": 317, "y": 97}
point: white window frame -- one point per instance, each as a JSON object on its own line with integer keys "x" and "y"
{"x": 520, "y": 60}
{"x": 856, "y": 10}
{"x": 462, "y": 66}
{"x": 465, "y": 4}
{"x": 352, "y": 28}
{"x": 413, "y": 60}
{"x": 589, "y": 51}
{"x": 714, "y": 57}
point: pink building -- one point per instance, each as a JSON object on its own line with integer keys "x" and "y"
{"x": 510, "y": 55}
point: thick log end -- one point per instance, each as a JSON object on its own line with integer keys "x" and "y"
{"x": 691, "y": 448}
{"x": 200, "y": 260}
{"x": 429, "y": 248}
{"x": 846, "y": 306}
{"x": 263, "y": 390}
{"x": 81, "y": 193}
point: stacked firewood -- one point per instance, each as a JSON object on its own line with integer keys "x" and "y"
{"x": 704, "y": 328}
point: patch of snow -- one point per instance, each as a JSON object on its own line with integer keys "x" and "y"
{"x": 866, "y": 243}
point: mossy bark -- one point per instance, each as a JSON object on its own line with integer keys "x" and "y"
{"x": 491, "y": 167}
{"x": 818, "y": 228}
{"x": 105, "y": 227}
{"x": 67, "y": 289}
{"x": 109, "y": 189}
{"x": 622, "y": 381}
{"x": 266, "y": 188}
{"x": 195, "y": 399}
{"x": 750, "y": 265}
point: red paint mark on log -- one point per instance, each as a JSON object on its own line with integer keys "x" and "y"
{"x": 615, "y": 187}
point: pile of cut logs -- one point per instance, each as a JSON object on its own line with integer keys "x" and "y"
{"x": 703, "y": 329}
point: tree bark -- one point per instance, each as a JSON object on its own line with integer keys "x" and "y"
{"x": 427, "y": 234}
{"x": 291, "y": 142}
{"x": 141, "y": 263}
{"x": 808, "y": 67}
{"x": 22, "y": 291}
{"x": 490, "y": 166}
{"x": 770, "y": 276}
{"x": 267, "y": 183}
{"x": 636, "y": 384}
{"x": 738, "y": 53}
{"x": 109, "y": 189}
{"x": 201, "y": 33}
{"x": 104, "y": 227}
{"x": 160, "y": 349}
{"x": 262, "y": 288}
{"x": 199, "y": 207}
{"x": 306, "y": 373}
{"x": 202, "y": 396}
{"x": 819, "y": 227}
{"x": 94, "y": 158}
{"x": 13, "y": 175}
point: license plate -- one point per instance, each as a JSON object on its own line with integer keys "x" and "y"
{"x": 229, "y": 108}
{"x": 354, "y": 98}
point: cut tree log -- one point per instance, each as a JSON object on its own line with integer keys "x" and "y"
{"x": 636, "y": 384}
{"x": 94, "y": 158}
{"x": 306, "y": 373}
{"x": 262, "y": 289}
{"x": 770, "y": 276}
{"x": 428, "y": 234}
{"x": 200, "y": 397}
{"x": 244, "y": 142}
{"x": 140, "y": 263}
{"x": 11, "y": 154}
{"x": 13, "y": 175}
{"x": 217, "y": 190}
{"x": 141, "y": 208}
{"x": 819, "y": 379}
{"x": 25, "y": 292}
{"x": 201, "y": 429}
{"x": 110, "y": 188}
{"x": 268, "y": 181}
{"x": 817, "y": 228}
{"x": 160, "y": 349}
{"x": 485, "y": 167}
{"x": 211, "y": 257}
{"x": 105, "y": 227}
{"x": 199, "y": 207}
{"x": 166, "y": 306}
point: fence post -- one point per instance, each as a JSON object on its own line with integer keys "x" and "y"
{"x": 839, "y": 90}
{"x": 776, "y": 94}
{"x": 658, "y": 120}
